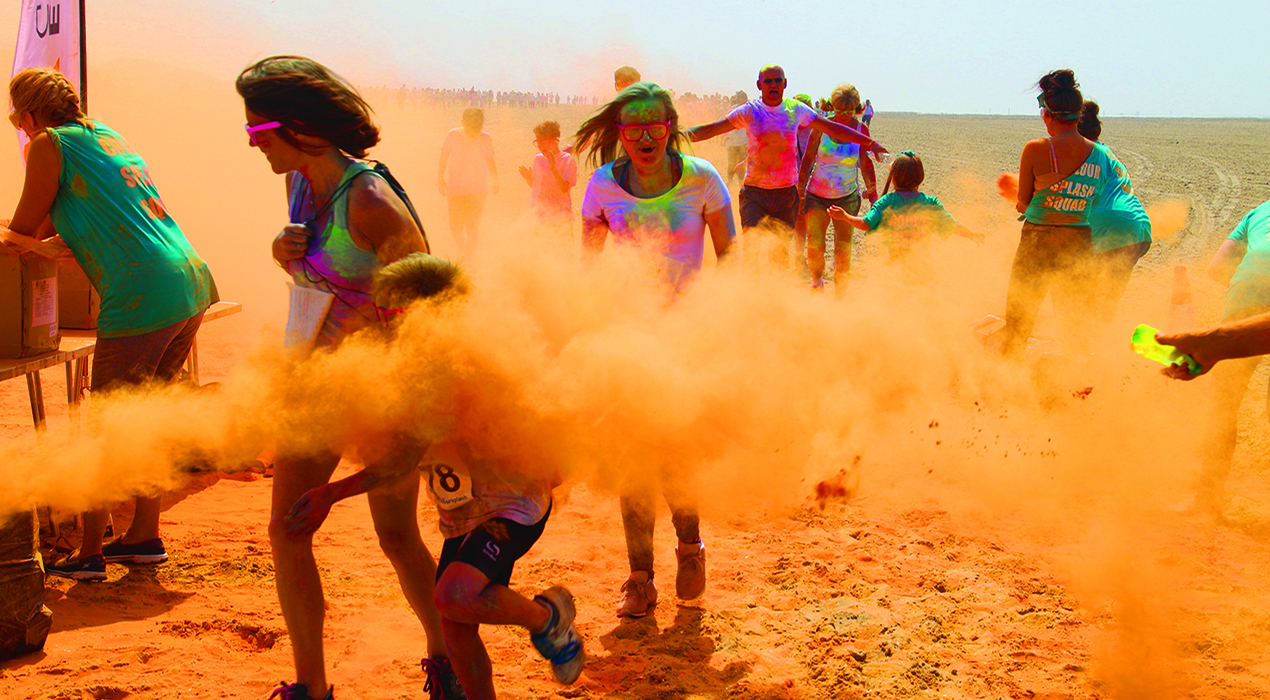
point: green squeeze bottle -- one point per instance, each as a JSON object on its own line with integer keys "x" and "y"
{"x": 1145, "y": 344}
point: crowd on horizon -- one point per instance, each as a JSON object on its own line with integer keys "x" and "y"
{"x": 355, "y": 247}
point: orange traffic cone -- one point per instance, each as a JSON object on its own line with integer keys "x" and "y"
{"x": 1181, "y": 311}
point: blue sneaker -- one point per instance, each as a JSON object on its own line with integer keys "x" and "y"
{"x": 73, "y": 566}
{"x": 442, "y": 684}
{"x": 560, "y": 643}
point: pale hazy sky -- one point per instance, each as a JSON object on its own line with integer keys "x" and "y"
{"x": 1149, "y": 58}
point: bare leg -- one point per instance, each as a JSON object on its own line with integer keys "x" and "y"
{"x": 145, "y": 522}
{"x": 295, "y": 570}
{"x": 780, "y": 246}
{"x": 467, "y": 599}
{"x": 1228, "y": 385}
{"x": 817, "y": 223}
{"x": 94, "y": 526}
{"x": 393, "y": 508}
{"x": 842, "y": 237}
{"x": 800, "y": 235}
{"x": 638, "y": 519}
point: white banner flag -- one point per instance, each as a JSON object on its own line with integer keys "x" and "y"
{"x": 51, "y": 35}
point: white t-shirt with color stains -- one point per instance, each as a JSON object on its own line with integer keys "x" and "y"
{"x": 772, "y": 141}
{"x": 672, "y": 225}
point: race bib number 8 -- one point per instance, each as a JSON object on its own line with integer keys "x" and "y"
{"x": 450, "y": 483}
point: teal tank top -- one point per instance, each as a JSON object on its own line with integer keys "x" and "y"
{"x": 1117, "y": 217}
{"x": 1069, "y": 201}
{"x": 111, "y": 217}
{"x": 334, "y": 263}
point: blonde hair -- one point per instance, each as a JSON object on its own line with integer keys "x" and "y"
{"x": 846, "y": 98}
{"x": 418, "y": 277}
{"x": 598, "y": 136}
{"x": 47, "y": 95}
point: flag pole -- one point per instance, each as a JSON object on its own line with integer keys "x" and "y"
{"x": 83, "y": 60}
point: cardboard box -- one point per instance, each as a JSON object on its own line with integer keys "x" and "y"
{"x": 28, "y": 304}
{"x": 77, "y": 302}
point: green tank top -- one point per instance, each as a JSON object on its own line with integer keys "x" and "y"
{"x": 1069, "y": 201}
{"x": 334, "y": 263}
{"x": 110, "y": 215}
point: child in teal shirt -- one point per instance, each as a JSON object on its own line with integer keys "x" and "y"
{"x": 907, "y": 218}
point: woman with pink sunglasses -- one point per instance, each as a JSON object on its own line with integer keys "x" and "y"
{"x": 347, "y": 222}
{"x": 658, "y": 199}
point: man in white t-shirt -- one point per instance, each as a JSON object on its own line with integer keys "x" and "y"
{"x": 466, "y": 174}
{"x": 771, "y": 180}
{"x": 737, "y": 144}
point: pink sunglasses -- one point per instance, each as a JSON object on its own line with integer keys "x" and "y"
{"x": 251, "y": 130}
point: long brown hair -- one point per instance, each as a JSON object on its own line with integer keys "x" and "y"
{"x": 907, "y": 172}
{"x": 308, "y": 98}
{"x": 47, "y": 95}
{"x": 598, "y": 136}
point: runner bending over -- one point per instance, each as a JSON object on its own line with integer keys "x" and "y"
{"x": 491, "y": 514}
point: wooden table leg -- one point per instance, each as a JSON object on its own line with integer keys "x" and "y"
{"x": 191, "y": 364}
{"x": 36, "y": 393}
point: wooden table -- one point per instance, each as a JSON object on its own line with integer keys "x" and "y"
{"x": 74, "y": 350}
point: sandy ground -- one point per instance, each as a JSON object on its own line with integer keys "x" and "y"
{"x": 900, "y": 591}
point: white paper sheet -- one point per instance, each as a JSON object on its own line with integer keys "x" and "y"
{"x": 305, "y": 316}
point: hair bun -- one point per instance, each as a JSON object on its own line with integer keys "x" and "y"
{"x": 1089, "y": 110}
{"x": 1063, "y": 79}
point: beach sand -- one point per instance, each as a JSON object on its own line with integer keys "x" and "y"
{"x": 899, "y": 591}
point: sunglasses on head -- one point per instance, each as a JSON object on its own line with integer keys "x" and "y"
{"x": 635, "y": 132}
{"x": 251, "y": 130}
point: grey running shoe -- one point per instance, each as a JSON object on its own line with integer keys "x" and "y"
{"x": 560, "y": 644}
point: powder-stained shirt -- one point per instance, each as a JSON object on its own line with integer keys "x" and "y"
{"x": 468, "y": 491}
{"x": 672, "y": 224}
{"x": 906, "y": 221}
{"x": 835, "y": 170}
{"x": 772, "y": 146}
{"x": 1117, "y": 217}
{"x": 550, "y": 204}
{"x": 467, "y": 170}
{"x": 1251, "y": 284}
{"x": 1069, "y": 201}
{"x": 110, "y": 215}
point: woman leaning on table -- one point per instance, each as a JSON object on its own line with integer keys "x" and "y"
{"x": 87, "y": 192}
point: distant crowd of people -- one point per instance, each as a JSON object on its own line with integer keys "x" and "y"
{"x": 414, "y": 98}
